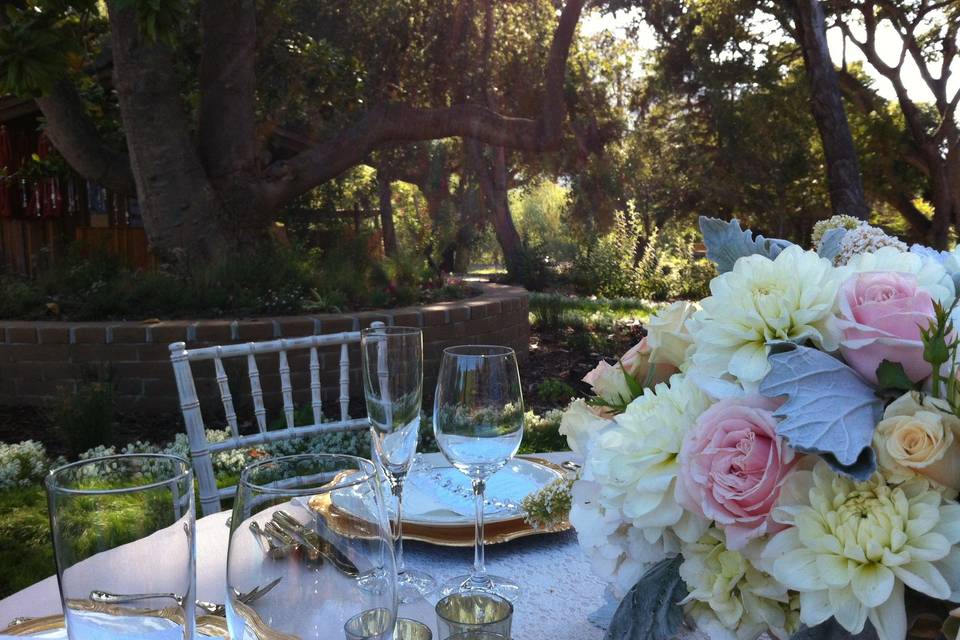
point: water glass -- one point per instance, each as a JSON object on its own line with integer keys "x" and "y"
{"x": 478, "y": 635}
{"x": 375, "y": 624}
{"x": 311, "y": 533}
{"x": 478, "y": 423}
{"x": 123, "y": 536}
{"x": 461, "y": 613}
{"x": 393, "y": 389}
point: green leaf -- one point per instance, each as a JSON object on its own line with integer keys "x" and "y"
{"x": 636, "y": 389}
{"x": 651, "y": 609}
{"x": 829, "y": 410}
{"x": 726, "y": 243}
{"x": 890, "y": 375}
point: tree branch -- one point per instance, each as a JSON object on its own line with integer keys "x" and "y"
{"x": 227, "y": 128}
{"x": 76, "y": 138}
{"x": 393, "y": 122}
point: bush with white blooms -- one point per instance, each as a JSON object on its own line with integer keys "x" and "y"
{"x": 783, "y": 456}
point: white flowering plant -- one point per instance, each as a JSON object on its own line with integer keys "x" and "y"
{"x": 783, "y": 456}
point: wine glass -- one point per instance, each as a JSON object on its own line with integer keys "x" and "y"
{"x": 393, "y": 388}
{"x": 310, "y": 539}
{"x": 478, "y": 422}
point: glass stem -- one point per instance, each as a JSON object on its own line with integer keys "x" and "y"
{"x": 479, "y": 568}
{"x": 398, "y": 530}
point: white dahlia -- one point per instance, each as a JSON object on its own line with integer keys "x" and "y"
{"x": 729, "y": 598}
{"x": 852, "y": 546}
{"x": 759, "y": 301}
{"x": 931, "y": 275}
{"x": 624, "y": 508}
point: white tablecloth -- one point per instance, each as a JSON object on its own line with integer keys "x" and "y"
{"x": 559, "y": 590}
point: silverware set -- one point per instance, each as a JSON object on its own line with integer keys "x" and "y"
{"x": 211, "y": 608}
{"x": 284, "y": 535}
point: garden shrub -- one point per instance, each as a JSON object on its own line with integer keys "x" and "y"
{"x": 84, "y": 419}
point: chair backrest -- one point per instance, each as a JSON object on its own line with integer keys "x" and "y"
{"x": 201, "y": 450}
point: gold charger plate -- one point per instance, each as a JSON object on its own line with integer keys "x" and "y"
{"x": 207, "y": 626}
{"x": 446, "y": 536}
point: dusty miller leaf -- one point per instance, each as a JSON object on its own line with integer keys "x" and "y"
{"x": 650, "y": 610}
{"x": 829, "y": 410}
{"x": 831, "y": 630}
{"x": 726, "y": 242}
{"x": 829, "y": 246}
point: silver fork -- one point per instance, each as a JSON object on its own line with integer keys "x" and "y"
{"x": 211, "y": 608}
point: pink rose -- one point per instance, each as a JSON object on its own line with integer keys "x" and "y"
{"x": 881, "y": 314}
{"x": 732, "y": 465}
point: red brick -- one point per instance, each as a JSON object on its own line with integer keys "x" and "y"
{"x": 335, "y": 324}
{"x": 256, "y": 330}
{"x": 81, "y": 353}
{"x": 295, "y": 327}
{"x": 21, "y": 335}
{"x": 407, "y": 318}
{"x": 89, "y": 334}
{"x": 214, "y": 331}
{"x": 53, "y": 335}
{"x": 433, "y": 315}
{"x": 45, "y": 389}
{"x": 143, "y": 369}
{"x": 34, "y": 353}
{"x": 459, "y": 313}
{"x": 128, "y": 333}
{"x": 366, "y": 318}
{"x": 445, "y": 332}
{"x": 153, "y": 353}
{"x": 478, "y": 308}
{"x": 166, "y": 332}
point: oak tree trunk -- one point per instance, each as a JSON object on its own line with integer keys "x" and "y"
{"x": 843, "y": 169}
{"x": 386, "y": 215}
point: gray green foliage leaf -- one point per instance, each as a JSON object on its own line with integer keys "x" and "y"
{"x": 829, "y": 246}
{"x": 831, "y": 630}
{"x": 650, "y": 610}
{"x": 726, "y": 242}
{"x": 829, "y": 409}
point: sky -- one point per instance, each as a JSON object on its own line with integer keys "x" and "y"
{"x": 888, "y": 41}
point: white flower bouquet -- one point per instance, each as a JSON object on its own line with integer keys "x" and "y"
{"x": 782, "y": 457}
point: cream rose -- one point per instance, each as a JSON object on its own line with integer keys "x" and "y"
{"x": 580, "y": 423}
{"x": 667, "y": 334}
{"x": 637, "y": 362}
{"x": 917, "y": 437}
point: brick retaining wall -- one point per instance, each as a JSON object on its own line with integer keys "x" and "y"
{"x": 37, "y": 359}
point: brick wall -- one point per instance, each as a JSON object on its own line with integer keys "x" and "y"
{"x": 39, "y": 358}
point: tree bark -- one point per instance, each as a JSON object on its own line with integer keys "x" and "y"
{"x": 843, "y": 168}
{"x": 180, "y": 208}
{"x": 227, "y": 128}
{"x": 76, "y": 138}
{"x": 386, "y": 215}
{"x": 493, "y": 185}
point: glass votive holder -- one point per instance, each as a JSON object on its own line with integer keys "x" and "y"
{"x": 373, "y": 624}
{"x": 461, "y": 613}
{"x": 408, "y": 629}
{"x": 478, "y": 635}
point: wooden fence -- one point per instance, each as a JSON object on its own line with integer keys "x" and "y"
{"x": 29, "y": 245}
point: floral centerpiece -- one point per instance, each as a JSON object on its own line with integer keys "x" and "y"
{"x": 782, "y": 456}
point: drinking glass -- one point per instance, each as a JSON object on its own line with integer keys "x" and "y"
{"x": 393, "y": 388}
{"x": 478, "y": 422}
{"x": 311, "y": 533}
{"x": 474, "y": 612}
{"x": 123, "y": 536}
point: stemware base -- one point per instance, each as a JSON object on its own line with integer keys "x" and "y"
{"x": 502, "y": 587}
{"x": 413, "y": 585}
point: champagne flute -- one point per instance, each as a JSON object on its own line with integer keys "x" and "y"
{"x": 393, "y": 389}
{"x": 478, "y": 422}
